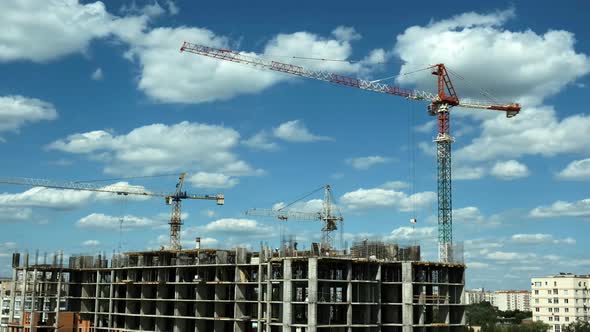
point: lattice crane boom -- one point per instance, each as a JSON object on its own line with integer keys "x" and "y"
{"x": 329, "y": 220}
{"x": 170, "y": 199}
{"x": 440, "y": 106}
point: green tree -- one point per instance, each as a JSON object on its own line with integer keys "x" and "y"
{"x": 480, "y": 314}
{"x": 578, "y": 326}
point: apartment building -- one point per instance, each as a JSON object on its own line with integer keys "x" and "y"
{"x": 509, "y": 300}
{"x": 478, "y": 295}
{"x": 559, "y": 300}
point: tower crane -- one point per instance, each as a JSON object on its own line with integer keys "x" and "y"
{"x": 326, "y": 216}
{"x": 173, "y": 199}
{"x": 440, "y": 106}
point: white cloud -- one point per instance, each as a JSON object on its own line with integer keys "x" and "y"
{"x": 540, "y": 239}
{"x": 261, "y": 141}
{"x": 508, "y": 256}
{"x": 41, "y": 31}
{"x": 526, "y": 134}
{"x": 468, "y": 173}
{"x": 97, "y": 75}
{"x": 296, "y": 131}
{"x": 12, "y": 214}
{"x": 63, "y": 199}
{"x": 395, "y": 185}
{"x": 168, "y": 76}
{"x": 103, "y": 221}
{"x": 91, "y": 243}
{"x": 364, "y": 163}
{"x": 155, "y": 149}
{"x": 522, "y": 65}
{"x": 208, "y": 213}
{"x": 579, "y": 208}
{"x": 509, "y": 170}
{"x": 346, "y": 33}
{"x": 478, "y": 265}
{"x": 311, "y": 206}
{"x": 234, "y": 230}
{"x": 17, "y": 111}
{"x": 413, "y": 233}
{"x": 379, "y": 197}
{"x": 212, "y": 180}
{"x": 576, "y": 170}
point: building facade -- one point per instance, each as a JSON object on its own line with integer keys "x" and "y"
{"x": 561, "y": 299}
{"x": 237, "y": 290}
{"x": 478, "y": 295}
{"x": 510, "y": 300}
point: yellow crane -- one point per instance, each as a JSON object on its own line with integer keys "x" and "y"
{"x": 173, "y": 199}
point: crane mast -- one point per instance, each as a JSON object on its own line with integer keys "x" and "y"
{"x": 174, "y": 199}
{"x": 440, "y": 106}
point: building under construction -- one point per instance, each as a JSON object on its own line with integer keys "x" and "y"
{"x": 374, "y": 286}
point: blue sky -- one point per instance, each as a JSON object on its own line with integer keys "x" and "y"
{"x": 100, "y": 91}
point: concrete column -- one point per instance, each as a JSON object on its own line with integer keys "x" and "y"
{"x": 312, "y": 286}
{"x": 58, "y": 300}
{"x": 23, "y": 297}
{"x": 268, "y": 295}
{"x": 259, "y": 297}
{"x": 111, "y": 295}
{"x": 32, "y": 323}
{"x": 287, "y": 296}
{"x": 96, "y": 296}
{"x": 349, "y": 296}
{"x": 407, "y": 294}
{"x": 12, "y": 296}
{"x": 379, "y": 296}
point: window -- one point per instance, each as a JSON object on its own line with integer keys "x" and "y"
{"x": 555, "y": 300}
{"x": 556, "y": 310}
{"x": 555, "y": 283}
{"x": 565, "y": 301}
{"x": 536, "y": 292}
{"x": 538, "y": 284}
{"x": 555, "y": 291}
{"x": 557, "y": 318}
{"x": 550, "y": 309}
{"x": 566, "y": 309}
{"x": 565, "y": 292}
{"x": 557, "y": 328}
{"x": 550, "y": 318}
{"x": 567, "y": 319}
{"x": 549, "y": 301}
{"x": 549, "y": 291}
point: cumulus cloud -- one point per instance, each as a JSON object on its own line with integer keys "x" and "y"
{"x": 413, "y": 233}
{"x": 526, "y": 135}
{"x": 508, "y": 256}
{"x": 509, "y": 170}
{"x": 155, "y": 149}
{"x": 395, "y": 185}
{"x": 579, "y": 208}
{"x": 91, "y": 243}
{"x": 63, "y": 199}
{"x": 15, "y": 214}
{"x": 576, "y": 170}
{"x": 519, "y": 65}
{"x": 103, "y": 221}
{"x": 364, "y": 163}
{"x": 168, "y": 76}
{"x": 468, "y": 172}
{"x": 540, "y": 239}
{"x": 212, "y": 180}
{"x": 97, "y": 75}
{"x": 296, "y": 131}
{"x": 379, "y": 197}
{"x": 17, "y": 111}
{"x": 261, "y": 141}
{"x": 54, "y": 29}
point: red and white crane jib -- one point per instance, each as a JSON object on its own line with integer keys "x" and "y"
{"x": 229, "y": 55}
